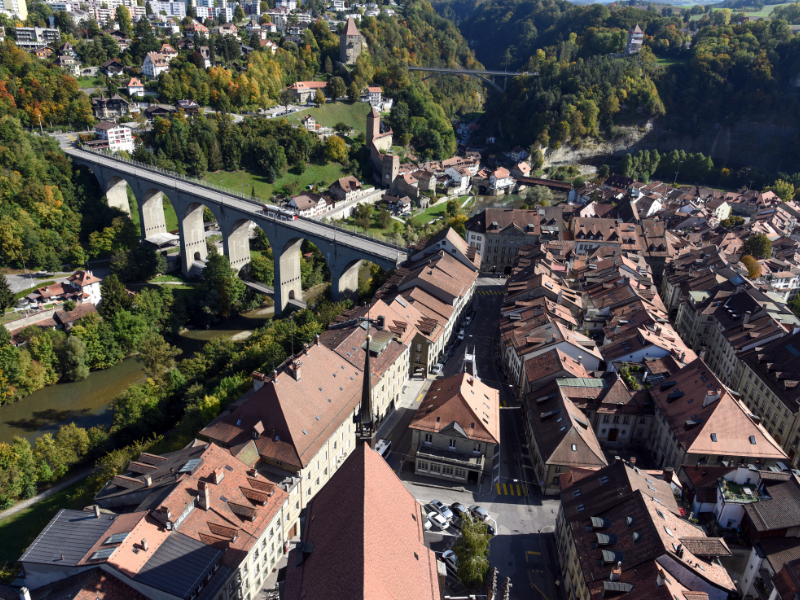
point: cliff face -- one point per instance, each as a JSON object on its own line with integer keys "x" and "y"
{"x": 768, "y": 144}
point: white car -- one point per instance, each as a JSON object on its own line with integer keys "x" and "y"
{"x": 449, "y": 558}
{"x": 439, "y": 521}
{"x": 427, "y": 524}
{"x": 436, "y": 369}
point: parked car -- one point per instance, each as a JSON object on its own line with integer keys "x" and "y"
{"x": 437, "y": 368}
{"x": 449, "y": 558}
{"x": 439, "y": 521}
{"x": 427, "y": 524}
{"x": 442, "y": 509}
{"x": 479, "y": 512}
{"x": 459, "y": 509}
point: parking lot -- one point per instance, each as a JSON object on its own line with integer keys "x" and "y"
{"x": 523, "y": 547}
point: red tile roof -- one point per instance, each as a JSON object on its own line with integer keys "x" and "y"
{"x": 364, "y": 534}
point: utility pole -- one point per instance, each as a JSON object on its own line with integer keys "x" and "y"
{"x": 40, "y": 124}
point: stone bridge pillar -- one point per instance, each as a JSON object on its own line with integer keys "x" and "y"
{"x": 344, "y": 281}
{"x": 288, "y": 284}
{"x": 236, "y": 244}
{"x": 151, "y": 213}
{"x": 193, "y": 236}
{"x": 117, "y": 193}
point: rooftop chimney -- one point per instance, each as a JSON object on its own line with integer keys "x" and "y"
{"x": 711, "y": 397}
{"x": 258, "y": 380}
{"x": 305, "y": 349}
{"x": 24, "y": 593}
{"x": 660, "y": 578}
{"x": 702, "y": 354}
{"x": 580, "y": 359}
{"x": 296, "y": 370}
{"x": 275, "y": 376}
{"x": 205, "y": 495}
{"x": 616, "y": 572}
{"x": 96, "y": 511}
{"x": 219, "y": 475}
{"x": 316, "y": 339}
{"x": 144, "y": 544}
{"x": 148, "y": 481}
{"x": 746, "y": 318}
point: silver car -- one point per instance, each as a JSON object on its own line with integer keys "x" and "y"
{"x": 479, "y": 512}
{"x": 442, "y": 509}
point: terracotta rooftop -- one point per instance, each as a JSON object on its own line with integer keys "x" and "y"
{"x": 463, "y": 401}
{"x": 344, "y": 553}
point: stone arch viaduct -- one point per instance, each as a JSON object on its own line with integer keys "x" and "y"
{"x": 343, "y": 250}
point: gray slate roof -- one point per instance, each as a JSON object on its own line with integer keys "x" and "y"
{"x": 179, "y": 565}
{"x": 71, "y": 533}
{"x": 781, "y": 511}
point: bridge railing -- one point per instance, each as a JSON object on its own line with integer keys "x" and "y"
{"x": 257, "y": 201}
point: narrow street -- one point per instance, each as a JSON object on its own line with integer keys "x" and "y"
{"x": 524, "y": 547}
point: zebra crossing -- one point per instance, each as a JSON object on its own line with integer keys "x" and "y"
{"x": 490, "y": 293}
{"x": 511, "y": 489}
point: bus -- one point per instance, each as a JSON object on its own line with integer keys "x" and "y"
{"x": 384, "y": 448}
{"x": 276, "y": 212}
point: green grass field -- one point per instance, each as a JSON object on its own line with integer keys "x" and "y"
{"x": 668, "y": 61}
{"x": 169, "y": 212}
{"x": 242, "y": 180}
{"x": 329, "y": 115}
{"x": 431, "y": 213}
{"x": 763, "y": 13}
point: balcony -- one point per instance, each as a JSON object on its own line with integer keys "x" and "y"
{"x": 472, "y": 462}
{"x": 739, "y": 494}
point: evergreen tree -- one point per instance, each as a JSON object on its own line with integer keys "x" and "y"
{"x": 114, "y": 297}
{"x": 6, "y": 295}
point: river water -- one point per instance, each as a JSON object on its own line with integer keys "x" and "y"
{"x": 86, "y": 403}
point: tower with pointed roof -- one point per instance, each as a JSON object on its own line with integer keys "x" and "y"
{"x": 365, "y": 420}
{"x": 350, "y": 43}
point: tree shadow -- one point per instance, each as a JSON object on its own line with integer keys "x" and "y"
{"x": 48, "y": 419}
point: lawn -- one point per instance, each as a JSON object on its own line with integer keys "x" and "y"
{"x": 354, "y": 114}
{"x": 431, "y": 213}
{"x": 763, "y": 13}
{"x": 242, "y": 180}
{"x": 169, "y": 212}
{"x": 92, "y": 82}
{"x": 668, "y": 61}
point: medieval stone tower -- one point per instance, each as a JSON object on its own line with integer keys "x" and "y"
{"x": 350, "y": 43}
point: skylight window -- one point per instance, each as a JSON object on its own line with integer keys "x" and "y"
{"x": 103, "y": 554}
{"x": 753, "y": 440}
{"x": 713, "y": 437}
{"x": 660, "y": 514}
{"x": 669, "y": 533}
{"x": 581, "y": 507}
{"x": 305, "y": 432}
{"x": 576, "y": 493}
{"x": 574, "y": 447}
{"x": 649, "y": 487}
{"x": 116, "y": 538}
{"x": 603, "y": 480}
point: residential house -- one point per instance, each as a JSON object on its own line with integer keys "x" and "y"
{"x": 29, "y": 38}
{"x": 168, "y": 52}
{"x": 309, "y": 123}
{"x": 119, "y": 137}
{"x": 305, "y": 91}
{"x": 154, "y": 64}
{"x": 135, "y": 88}
{"x": 559, "y": 437}
{"x": 345, "y": 188}
{"x": 308, "y": 204}
{"x": 500, "y": 181}
{"x": 81, "y": 286}
{"x": 69, "y": 64}
{"x": 227, "y": 29}
{"x": 456, "y": 431}
{"x": 518, "y": 154}
{"x": 719, "y": 207}
{"x": 110, "y": 108}
{"x": 374, "y": 95}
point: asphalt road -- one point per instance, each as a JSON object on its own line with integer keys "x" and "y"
{"x": 524, "y": 547}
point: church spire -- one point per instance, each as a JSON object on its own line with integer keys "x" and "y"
{"x": 366, "y": 425}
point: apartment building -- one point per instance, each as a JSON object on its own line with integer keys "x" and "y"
{"x": 33, "y": 37}
{"x": 499, "y": 233}
{"x": 456, "y": 431}
{"x": 18, "y": 8}
{"x": 300, "y": 417}
{"x": 154, "y": 64}
{"x": 619, "y": 532}
{"x": 699, "y": 422}
{"x": 119, "y": 138}
{"x": 209, "y": 527}
{"x": 389, "y": 358}
{"x": 768, "y": 384}
{"x": 559, "y": 436}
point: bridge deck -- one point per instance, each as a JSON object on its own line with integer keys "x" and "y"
{"x": 251, "y": 210}
{"x": 259, "y": 287}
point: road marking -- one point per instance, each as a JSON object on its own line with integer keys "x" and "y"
{"x": 388, "y": 437}
{"x": 533, "y": 552}
{"x": 498, "y": 488}
{"x": 538, "y": 590}
{"x": 420, "y": 396}
{"x": 525, "y": 490}
{"x": 504, "y": 488}
{"x": 511, "y": 488}
{"x": 519, "y": 493}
